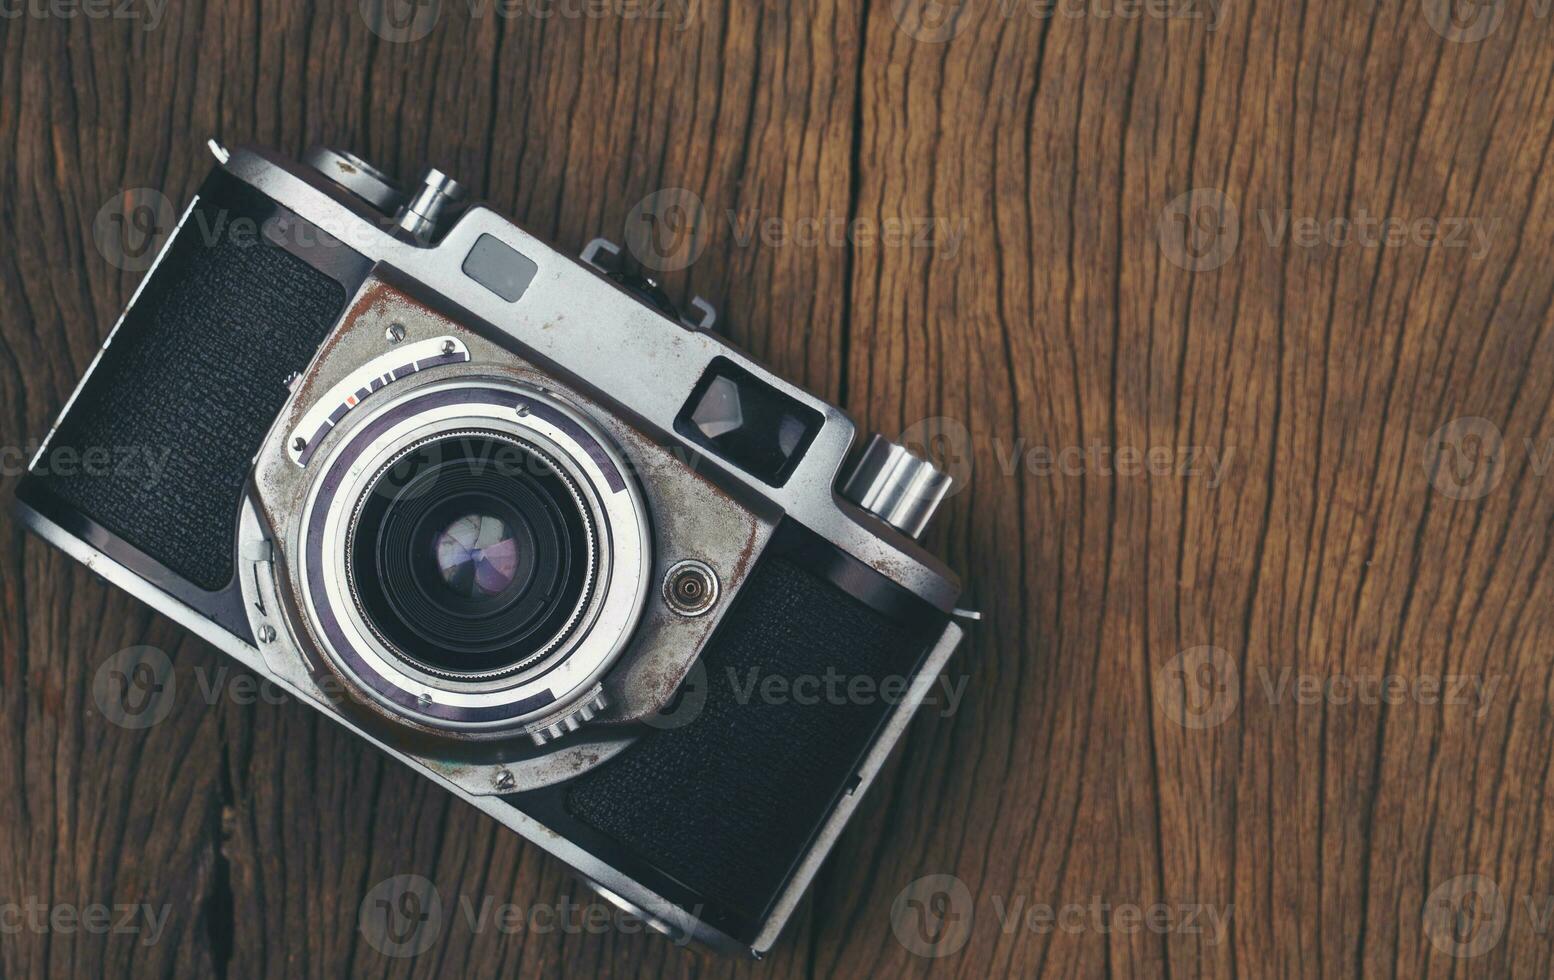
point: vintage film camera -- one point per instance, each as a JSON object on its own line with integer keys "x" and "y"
{"x": 510, "y": 517}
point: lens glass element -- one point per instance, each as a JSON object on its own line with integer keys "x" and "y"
{"x": 472, "y": 555}
{"x": 477, "y": 555}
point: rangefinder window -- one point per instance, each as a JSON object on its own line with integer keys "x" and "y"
{"x": 747, "y": 422}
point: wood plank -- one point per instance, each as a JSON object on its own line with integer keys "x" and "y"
{"x": 1138, "y": 726}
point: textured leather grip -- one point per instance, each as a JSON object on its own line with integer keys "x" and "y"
{"x": 191, "y": 382}
{"x": 728, "y": 803}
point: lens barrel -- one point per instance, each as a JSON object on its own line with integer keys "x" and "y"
{"x": 471, "y": 555}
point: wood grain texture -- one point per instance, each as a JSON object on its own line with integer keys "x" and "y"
{"x": 1179, "y": 699}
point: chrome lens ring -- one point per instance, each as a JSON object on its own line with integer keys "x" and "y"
{"x": 494, "y": 700}
{"x": 364, "y": 576}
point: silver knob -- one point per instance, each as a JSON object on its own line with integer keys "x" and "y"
{"x": 900, "y": 489}
{"x": 430, "y": 203}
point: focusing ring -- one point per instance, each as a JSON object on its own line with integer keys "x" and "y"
{"x": 474, "y": 701}
{"x": 392, "y": 589}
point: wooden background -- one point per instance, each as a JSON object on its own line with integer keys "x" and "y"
{"x": 1145, "y": 719}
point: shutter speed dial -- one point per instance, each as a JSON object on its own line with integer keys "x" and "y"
{"x": 899, "y": 488}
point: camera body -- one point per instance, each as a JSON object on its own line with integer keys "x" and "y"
{"x": 512, "y": 518}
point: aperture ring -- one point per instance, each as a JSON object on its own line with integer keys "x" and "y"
{"x": 623, "y": 555}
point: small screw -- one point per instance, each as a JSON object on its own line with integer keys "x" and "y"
{"x": 505, "y": 781}
{"x": 522, "y": 408}
{"x": 424, "y": 698}
{"x": 266, "y": 633}
{"x": 299, "y": 444}
{"x": 395, "y": 333}
{"x": 448, "y": 347}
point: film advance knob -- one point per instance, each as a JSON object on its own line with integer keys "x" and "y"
{"x": 899, "y": 488}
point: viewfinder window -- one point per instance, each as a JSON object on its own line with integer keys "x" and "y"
{"x": 747, "y": 422}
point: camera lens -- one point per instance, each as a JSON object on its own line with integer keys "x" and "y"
{"x": 477, "y": 555}
{"x": 472, "y": 555}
